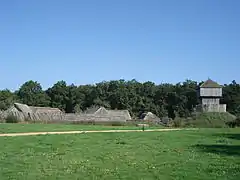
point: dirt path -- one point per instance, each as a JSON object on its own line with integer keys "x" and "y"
{"x": 80, "y": 132}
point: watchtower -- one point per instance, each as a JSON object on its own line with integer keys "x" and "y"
{"x": 210, "y": 93}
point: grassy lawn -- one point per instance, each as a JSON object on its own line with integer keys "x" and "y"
{"x": 202, "y": 154}
{"x": 12, "y": 128}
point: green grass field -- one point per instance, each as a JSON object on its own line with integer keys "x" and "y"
{"x": 199, "y": 154}
{"x": 12, "y": 128}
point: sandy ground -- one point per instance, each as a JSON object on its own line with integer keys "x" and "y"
{"x": 80, "y": 132}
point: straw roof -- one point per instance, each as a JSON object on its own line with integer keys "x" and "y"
{"x": 101, "y": 111}
{"x": 13, "y": 111}
{"x": 91, "y": 110}
{"x": 2, "y": 117}
{"x": 121, "y": 113}
{"x": 45, "y": 110}
{"x": 150, "y": 117}
{"x": 25, "y": 112}
{"x": 210, "y": 84}
{"x": 22, "y": 108}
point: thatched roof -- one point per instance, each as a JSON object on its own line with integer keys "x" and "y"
{"x": 45, "y": 110}
{"x": 25, "y": 112}
{"x": 101, "y": 111}
{"x": 210, "y": 84}
{"x": 111, "y": 113}
{"x": 13, "y": 111}
{"x": 91, "y": 110}
{"x": 22, "y": 108}
{"x": 2, "y": 117}
{"x": 33, "y": 109}
{"x": 150, "y": 117}
{"x": 122, "y": 113}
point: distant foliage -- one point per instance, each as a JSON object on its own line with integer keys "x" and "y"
{"x": 77, "y": 109}
{"x": 31, "y": 93}
{"x": 234, "y": 123}
{"x": 178, "y": 122}
{"x": 164, "y": 100}
{"x": 7, "y": 98}
{"x": 238, "y": 121}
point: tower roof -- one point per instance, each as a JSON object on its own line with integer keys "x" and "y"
{"x": 210, "y": 84}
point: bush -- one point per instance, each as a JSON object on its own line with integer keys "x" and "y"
{"x": 12, "y": 119}
{"x": 207, "y": 120}
{"x": 178, "y": 122}
{"x": 211, "y": 120}
{"x": 238, "y": 121}
{"x": 235, "y": 123}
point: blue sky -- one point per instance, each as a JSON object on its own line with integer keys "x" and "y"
{"x": 87, "y": 41}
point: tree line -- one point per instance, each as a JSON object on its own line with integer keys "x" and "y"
{"x": 164, "y": 99}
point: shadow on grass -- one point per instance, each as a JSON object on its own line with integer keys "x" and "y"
{"x": 232, "y": 136}
{"x": 224, "y": 148}
{"x": 230, "y": 150}
{"x": 228, "y": 135}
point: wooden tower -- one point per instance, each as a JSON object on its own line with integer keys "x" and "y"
{"x": 210, "y": 93}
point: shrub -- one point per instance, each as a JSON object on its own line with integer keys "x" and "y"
{"x": 235, "y": 123}
{"x": 178, "y": 122}
{"x": 238, "y": 121}
{"x": 207, "y": 120}
{"x": 211, "y": 120}
{"x": 166, "y": 120}
{"x": 12, "y": 119}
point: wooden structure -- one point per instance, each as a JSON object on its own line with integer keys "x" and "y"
{"x": 210, "y": 93}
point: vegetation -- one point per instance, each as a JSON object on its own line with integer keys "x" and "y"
{"x": 206, "y": 120}
{"x": 174, "y": 100}
{"x": 234, "y": 123}
{"x": 203, "y": 154}
{"x": 213, "y": 120}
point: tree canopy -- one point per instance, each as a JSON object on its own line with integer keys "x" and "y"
{"x": 163, "y": 99}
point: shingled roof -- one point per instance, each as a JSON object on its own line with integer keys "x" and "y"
{"x": 210, "y": 84}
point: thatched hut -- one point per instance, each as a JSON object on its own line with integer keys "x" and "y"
{"x": 47, "y": 113}
{"x": 150, "y": 117}
{"x": 101, "y": 111}
{"x": 114, "y": 115}
{"x": 23, "y": 112}
{"x": 91, "y": 110}
{"x": 19, "y": 111}
{"x": 120, "y": 113}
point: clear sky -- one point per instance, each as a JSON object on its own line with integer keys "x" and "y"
{"x": 88, "y": 41}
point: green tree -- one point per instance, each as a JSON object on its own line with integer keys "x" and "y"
{"x": 31, "y": 93}
{"x": 7, "y": 98}
{"x": 231, "y": 96}
{"x": 59, "y": 95}
{"x": 163, "y": 100}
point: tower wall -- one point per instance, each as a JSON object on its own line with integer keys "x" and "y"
{"x": 210, "y": 101}
{"x": 210, "y": 92}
